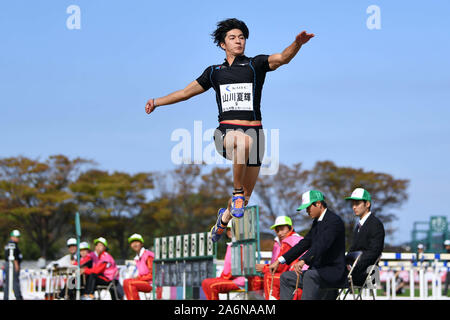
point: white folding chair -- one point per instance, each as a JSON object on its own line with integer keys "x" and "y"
{"x": 351, "y": 258}
{"x": 111, "y": 285}
{"x": 372, "y": 281}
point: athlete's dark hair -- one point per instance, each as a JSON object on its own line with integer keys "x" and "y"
{"x": 322, "y": 202}
{"x": 370, "y": 207}
{"x": 226, "y": 25}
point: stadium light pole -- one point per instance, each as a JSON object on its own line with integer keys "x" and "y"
{"x": 78, "y": 233}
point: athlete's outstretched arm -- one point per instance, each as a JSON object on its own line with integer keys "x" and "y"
{"x": 278, "y": 59}
{"x": 192, "y": 89}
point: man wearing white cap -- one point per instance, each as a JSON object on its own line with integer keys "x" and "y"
{"x": 420, "y": 252}
{"x": 419, "y": 258}
{"x": 69, "y": 259}
{"x": 447, "y": 245}
{"x": 13, "y": 243}
{"x": 85, "y": 255}
{"x": 325, "y": 243}
{"x": 368, "y": 235}
{"x": 85, "y": 262}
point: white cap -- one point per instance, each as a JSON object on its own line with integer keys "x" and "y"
{"x": 15, "y": 233}
{"x": 84, "y": 245}
{"x": 447, "y": 242}
{"x": 71, "y": 242}
{"x": 420, "y": 246}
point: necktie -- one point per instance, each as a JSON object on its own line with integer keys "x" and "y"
{"x": 359, "y": 226}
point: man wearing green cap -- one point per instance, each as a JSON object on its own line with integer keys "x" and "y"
{"x": 13, "y": 244}
{"x": 368, "y": 235}
{"x": 103, "y": 271}
{"x": 286, "y": 238}
{"x": 144, "y": 265}
{"x": 325, "y": 243}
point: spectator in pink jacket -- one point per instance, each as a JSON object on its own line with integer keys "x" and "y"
{"x": 103, "y": 271}
{"x": 144, "y": 264}
{"x": 226, "y": 282}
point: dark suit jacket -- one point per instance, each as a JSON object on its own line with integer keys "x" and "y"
{"x": 369, "y": 240}
{"x": 325, "y": 243}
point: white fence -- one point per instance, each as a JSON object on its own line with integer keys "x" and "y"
{"x": 37, "y": 283}
{"x": 426, "y": 272}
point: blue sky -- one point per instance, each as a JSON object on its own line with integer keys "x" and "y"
{"x": 372, "y": 99}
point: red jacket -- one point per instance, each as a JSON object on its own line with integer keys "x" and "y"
{"x": 85, "y": 260}
{"x": 285, "y": 247}
{"x": 98, "y": 268}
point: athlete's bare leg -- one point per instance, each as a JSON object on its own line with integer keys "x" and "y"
{"x": 243, "y": 176}
{"x": 250, "y": 178}
{"x": 238, "y": 145}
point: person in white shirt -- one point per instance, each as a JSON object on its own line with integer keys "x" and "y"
{"x": 368, "y": 235}
{"x": 69, "y": 259}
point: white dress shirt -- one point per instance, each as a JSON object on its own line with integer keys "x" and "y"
{"x": 361, "y": 221}
{"x": 281, "y": 258}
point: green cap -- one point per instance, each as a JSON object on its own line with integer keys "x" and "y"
{"x": 360, "y": 194}
{"x": 282, "y": 221}
{"x": 101, "y": 240}
{"x": 84, "y": 245}
{"x": 135, "y": 237}
{"x": 309, "y": 197}
{"x": 15, "y": 233}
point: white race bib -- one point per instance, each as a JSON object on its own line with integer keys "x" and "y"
{"x": 236, "y": 97}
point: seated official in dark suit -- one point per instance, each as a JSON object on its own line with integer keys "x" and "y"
{"x": 325, "y": 246}
{"x": 368, "y": 236}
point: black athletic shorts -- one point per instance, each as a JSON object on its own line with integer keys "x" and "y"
{"x": 256, "y": 132}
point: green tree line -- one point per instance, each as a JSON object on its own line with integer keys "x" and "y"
{"x": 40, "y": 198}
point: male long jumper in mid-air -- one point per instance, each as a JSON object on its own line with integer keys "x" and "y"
{"x": 238, "y": 83}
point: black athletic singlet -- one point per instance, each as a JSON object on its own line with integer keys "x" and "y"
{"x": 238, "y": 87}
